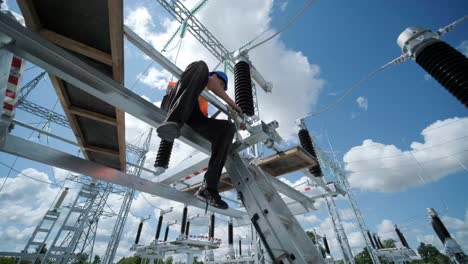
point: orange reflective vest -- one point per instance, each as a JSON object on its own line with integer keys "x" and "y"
{"x": 202, "y": 102}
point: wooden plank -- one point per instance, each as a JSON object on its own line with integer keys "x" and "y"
{"x": 76, "y": 46}
{"x": 115, "y": 9}
{"x": 102, "y": 150}
{"x": 65, "y": 102}
{"x": 288, "y": 161}
{"x": 92, "y": 115}
{"x": 30, "y": 16}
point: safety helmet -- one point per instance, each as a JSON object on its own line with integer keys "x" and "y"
{"x": 222, "y": 75}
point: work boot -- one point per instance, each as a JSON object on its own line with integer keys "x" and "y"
{"x": 211, "y": 198}
{"x": 169, "y": 130}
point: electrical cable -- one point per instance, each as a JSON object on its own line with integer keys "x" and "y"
{"x": 32, "y": 178}
{"x": 285, "y": 26}
{"x": 352, "y": 88}
{"x": 152, "y": 205}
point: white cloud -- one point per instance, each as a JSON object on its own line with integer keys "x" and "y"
{"x": 283, "y": 5}
{"x": 362, "y": 102}
{"x": 463, "y": 47}
{"x": 379, "y": 167}
{"x": 233, "y": 25}
{"x": 156, "y": 78}
{"x": 386, "y": 230}
{"x": 427, "y": 77}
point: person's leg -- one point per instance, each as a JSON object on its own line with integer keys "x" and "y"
{"x": 191, "y": 84}
{"x": 220, "y": 133}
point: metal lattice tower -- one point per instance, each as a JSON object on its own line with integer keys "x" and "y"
{"x": 126, "y": 204}
{"x": 65, "y": 241}
{"x": 337, "y": 170}
{"x": 85, "y": 242}
{"x": 339, "y": 231}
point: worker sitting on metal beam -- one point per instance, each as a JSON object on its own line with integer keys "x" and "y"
{"x": 182, "y": 103}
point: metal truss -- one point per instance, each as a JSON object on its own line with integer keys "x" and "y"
{"x": 85, "y": 241}
{"x": 341, "y": 177}
{"x": 126, "y": 204}
{"x": 207, "y": 39}
{"x": 43, "y": 112}
{"x": 339, "y": 231}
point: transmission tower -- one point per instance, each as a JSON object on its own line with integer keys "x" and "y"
{"x": 126, "y": 204}
{"x": 83, "y": 241}
{"x": 340, "y": 175}
{"x": 339, "y": 231}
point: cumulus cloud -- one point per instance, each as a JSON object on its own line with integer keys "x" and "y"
{"x": 362, "y": 102}
{"x": 386, "y": 168}
{"x": 386, "y": 230}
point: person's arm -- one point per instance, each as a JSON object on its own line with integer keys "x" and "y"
{"x": 223, "y": 95}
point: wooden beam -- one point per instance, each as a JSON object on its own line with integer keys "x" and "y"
{"x": 76, "y": 46}
{"x": 110, "y": 152}
{"x": 30, "y": 16}
{"x": 115, "y": 9}
{"x": 92, "y": 115}
{"x": 65, "y": 102}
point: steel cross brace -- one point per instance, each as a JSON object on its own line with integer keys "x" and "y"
{"x": 281, "y": 234}
{"x": 43, "y": 154}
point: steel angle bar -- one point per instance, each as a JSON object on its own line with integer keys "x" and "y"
{"x": 281, "y": 234}
{"x": 32, "y": 47}
{"x": 195, "y": 164}
{"x": 317, "y": 180}
{"x": 37, "y": 152}
{"x": 290, "y": 192}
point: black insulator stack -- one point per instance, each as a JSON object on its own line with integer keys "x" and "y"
{"x": 184, "y": 220}
{"x": 212, "y": 227}
{"x": 376, "y": 242}
{"x": 137, "y": 239}
{"x": 158, "y": 229}
{"x": 402, "y": 237}
{"x": 371, "y": 240}
{"x": 164, "y": 154}
{"x": 377, "y": 239}
{"x": 448, "y": 66}
{"x": 240, "y": 247}
{"x": 187, "y": 229}
{"x": 243, "y": 83}
{"x": 306, "y": 144}
{"x": 325, "y": 243}
{"x": 230, "y": 234}
{"x": 167, "y": 233}
{"x": 440, "y": 229}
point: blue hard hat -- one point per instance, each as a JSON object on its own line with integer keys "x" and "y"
{"x": 222, "y": 75}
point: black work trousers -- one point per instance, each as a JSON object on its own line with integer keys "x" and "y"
{"x": 184, "y": 108}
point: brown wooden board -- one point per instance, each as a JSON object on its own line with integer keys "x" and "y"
{"x": 93, "y": 32}
{"x": 287, "y": 161}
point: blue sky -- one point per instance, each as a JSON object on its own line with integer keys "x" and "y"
{"x": 337, "y": 42}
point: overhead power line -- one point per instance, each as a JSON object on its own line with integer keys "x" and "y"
{"x": 304, "y": 8}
